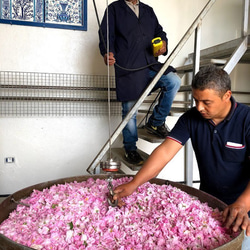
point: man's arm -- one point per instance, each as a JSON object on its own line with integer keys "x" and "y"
{"x": 151, "y": 168}
{"x": 236, "y": 214}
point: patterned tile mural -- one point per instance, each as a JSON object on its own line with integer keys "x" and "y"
{"x": 46, "y": 11}
{"x": 64, "y": 11}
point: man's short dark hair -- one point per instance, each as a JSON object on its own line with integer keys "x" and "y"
{"x": 212, "y": 77}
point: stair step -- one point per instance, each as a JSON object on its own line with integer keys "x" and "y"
{"x": 189, "y": 67}
{"x": 147, "y": 136}
{"x": 119, "y": 154}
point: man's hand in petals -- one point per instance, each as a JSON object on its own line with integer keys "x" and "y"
{"x": 236, "y": 216}
{"x": 123, "y": 191}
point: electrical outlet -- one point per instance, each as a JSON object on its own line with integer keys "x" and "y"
{"x": 9, "y": 159}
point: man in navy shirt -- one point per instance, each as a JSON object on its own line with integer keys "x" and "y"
{"x": 219, "y": 129}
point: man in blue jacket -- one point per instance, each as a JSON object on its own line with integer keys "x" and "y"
{"x": 132, "y": 26}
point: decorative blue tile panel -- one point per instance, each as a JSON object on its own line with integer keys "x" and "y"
{"x": 63, "y": 11}
{"x": 22, "y": 10}
{"x": 70, "y": 14}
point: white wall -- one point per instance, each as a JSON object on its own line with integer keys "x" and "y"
{"x": 54, "y": 147}
{"x": 48, "y": 148}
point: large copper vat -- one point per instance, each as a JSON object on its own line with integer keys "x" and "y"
{"x": 8, "y": 206}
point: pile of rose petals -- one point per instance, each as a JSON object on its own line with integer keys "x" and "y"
{"x": 77, "y": 216}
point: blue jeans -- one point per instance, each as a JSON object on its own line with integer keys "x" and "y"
{"x": 169, "y": 85}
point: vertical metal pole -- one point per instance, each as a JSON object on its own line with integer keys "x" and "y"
{"x": 197, "y": 48}
{"x": 241, "y": 49}
{"x": 188, "y": 147}
{"x": 245, "y": 17}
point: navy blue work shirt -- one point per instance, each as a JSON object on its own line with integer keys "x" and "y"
{"x": 222, "y": 151}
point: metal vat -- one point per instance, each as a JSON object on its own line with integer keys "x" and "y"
{"x": 7, "y": 206}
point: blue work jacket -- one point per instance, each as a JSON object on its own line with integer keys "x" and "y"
{"x": 130, "y": 41}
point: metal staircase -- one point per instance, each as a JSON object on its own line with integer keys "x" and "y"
{"x": 226, "y": 55}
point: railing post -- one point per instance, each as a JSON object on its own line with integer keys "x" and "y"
{"x": 245, "y": 17}
{"x": 240, "y": 51}
{"x": 188, "y": 147}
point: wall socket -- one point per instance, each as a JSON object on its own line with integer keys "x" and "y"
{"x": 9, "y": 159}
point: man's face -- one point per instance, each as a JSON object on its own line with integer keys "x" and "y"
{"x": 211, "y": 105}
